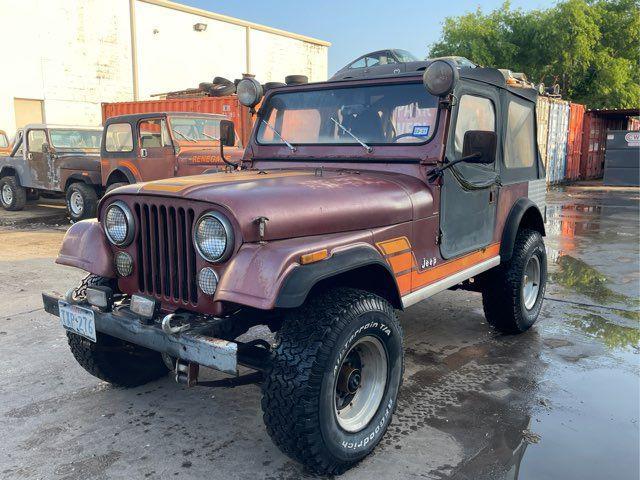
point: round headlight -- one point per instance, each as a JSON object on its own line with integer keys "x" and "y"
{"x": 440, "y": 77}
{"x": 124, "y": 264}
{"x": 213, "y": 237}
{"x": 208, "y": 280}
{"x": 118, "y": 224}
{"x": 249, "y": 92}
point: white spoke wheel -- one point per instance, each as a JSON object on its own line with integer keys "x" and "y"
{"x": 76, "y": 203}
{"x": 360, "y": 384}
{"x": 7, "y": 194}
{"x": 531, "y": 282}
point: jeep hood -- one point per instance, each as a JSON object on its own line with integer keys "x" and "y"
{"x": 302, "y": 202}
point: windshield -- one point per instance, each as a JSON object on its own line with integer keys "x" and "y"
{"x": 4, "y": 141}
{"x": 83, "y": 139}
{"x": 378, "y": 114}
{"x": 195, "y": 129}
{"x": 405, "y": 56}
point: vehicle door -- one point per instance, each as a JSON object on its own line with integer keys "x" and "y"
{"x": 156, "y": 155}
{"x": 382, "y": 63}
{"x": 39, "y": 163}
{"x": 469, "y": 191}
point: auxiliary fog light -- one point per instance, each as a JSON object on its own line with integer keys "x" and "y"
{"x": 208, "y": 280}
{"x": 124, "y": 264}
{"x": 144, "y": 306}
{"x": 100, "y": 296}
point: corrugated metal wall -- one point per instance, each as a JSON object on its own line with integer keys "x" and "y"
{"x": 574, "y": 141}
{"x": 557, "y": 140}
{"x": 542, "y": 116}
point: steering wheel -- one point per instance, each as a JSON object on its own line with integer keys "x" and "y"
{"x": 404, "y": 135}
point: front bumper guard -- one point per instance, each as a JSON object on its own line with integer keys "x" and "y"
{"x": 192, "y": 345}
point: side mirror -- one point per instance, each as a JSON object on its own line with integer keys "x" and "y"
{"x": 479, "y": 146}
{"x": 227, "y": 133}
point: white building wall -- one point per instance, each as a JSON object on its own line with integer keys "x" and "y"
{"x": 73, "y": 54}
{"x": 173, "y": 56}
{"x": 274, "y": 56}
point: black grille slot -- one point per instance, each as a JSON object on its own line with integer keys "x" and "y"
{"x": 165, "y": 253}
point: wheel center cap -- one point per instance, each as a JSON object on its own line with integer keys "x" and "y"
{"x": 354, "y": 381}
{"x": 349, "y": 380}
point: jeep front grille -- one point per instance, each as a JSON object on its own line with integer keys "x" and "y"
{"x": 165, "y": 254}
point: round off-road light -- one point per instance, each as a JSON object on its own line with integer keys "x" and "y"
{"x": 208, "y": 281}
{"x": 124, "y": 264}
{"x": 213, "y": 237}
{"x": 118, "y": 224}
{"x": 440, "y": 77}
{"x": 249, "y": 92}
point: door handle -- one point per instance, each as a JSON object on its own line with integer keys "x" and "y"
{"x": 143, "y": 152}
{"x": 29, "y": 156}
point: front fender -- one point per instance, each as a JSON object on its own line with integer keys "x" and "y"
{"x": 85, "y": 247}
{"x": 257, "y": 274}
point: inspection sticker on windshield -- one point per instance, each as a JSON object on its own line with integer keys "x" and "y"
{"x": 421, "y": 130}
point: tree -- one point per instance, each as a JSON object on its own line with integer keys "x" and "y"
{"x": 589, "y": 47}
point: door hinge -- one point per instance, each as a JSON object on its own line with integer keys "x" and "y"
{"x": 439, "y": 238}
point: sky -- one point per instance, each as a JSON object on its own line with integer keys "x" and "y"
{"x": 355, "y": 27}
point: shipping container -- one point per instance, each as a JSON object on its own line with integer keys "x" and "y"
{"x": 594, "y": 135}
{"x": 574, "y": 141}
{"x": 542, "y": 118}
{"x": 557, "y": 141}
{"x": 228, "y": 106}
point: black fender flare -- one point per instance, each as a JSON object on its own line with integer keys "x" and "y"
{"x": 125, "y": 171}
{"x": 303, "y": 278}
{"x": 523, "y": 209}
{"x": 7, "y": 170}
{"x": 78, "y": 177}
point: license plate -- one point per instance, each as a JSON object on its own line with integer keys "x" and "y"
{"x": 77, "y": 320}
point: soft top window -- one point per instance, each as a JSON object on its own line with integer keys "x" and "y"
{"x": 119, "y": 138}
{"x": 375, "y": 114}
{"x": 519, "y": 144}
{"x": 68, "y": 138}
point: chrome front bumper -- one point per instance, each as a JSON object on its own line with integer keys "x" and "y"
{"x": 192, "y": 345}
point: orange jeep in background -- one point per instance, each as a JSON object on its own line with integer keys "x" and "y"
{"x": 151, "y": 146}
{"x": 5, "y": 148}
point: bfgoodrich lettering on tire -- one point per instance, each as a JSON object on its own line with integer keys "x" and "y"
{"x": 333, "y": 387}
{"x": 512, "y": 296}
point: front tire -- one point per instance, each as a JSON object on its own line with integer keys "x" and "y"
{"x": 332, "y": 389}
{"x": 513, "y": 294}
{"x": 82, "y": 201}
{"x": 13, "y": 197}
{"x": 115, "y": 361}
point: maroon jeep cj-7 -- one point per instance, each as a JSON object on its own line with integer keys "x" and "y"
{"x": 355, "y": 199}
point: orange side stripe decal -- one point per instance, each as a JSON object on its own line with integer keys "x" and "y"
{"x": 400, "y": 256}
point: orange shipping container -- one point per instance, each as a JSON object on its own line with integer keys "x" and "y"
{"x": 229, "y": 106}
{"x": 574, "y": 141}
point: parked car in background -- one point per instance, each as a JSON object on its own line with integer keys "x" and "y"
{"x": 356, "y": 199}
{"x": 53, "y": 159}
{"x": 151, "y": 146}
{"x": 391, "y": 61}
{"x": 5, "y": 147}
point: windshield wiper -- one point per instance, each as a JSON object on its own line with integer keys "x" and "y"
{"x": 183, "y": 135}
{"x": 210, "y": 136}
{"x": 291, "y": 147}
{"x": 368, "y": 148}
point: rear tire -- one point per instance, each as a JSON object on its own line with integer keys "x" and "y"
{"x": 512, "y": 294}
{"x": 332, "y": 389}
{"x": 13, "y": 197}
{"x": 82, "y": 201}
{"x": 116, "y": 361}
{"x": 113, "y": 186}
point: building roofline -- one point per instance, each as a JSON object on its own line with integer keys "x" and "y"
{"x": 235, "y": 21}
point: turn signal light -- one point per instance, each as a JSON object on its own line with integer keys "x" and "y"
{"x": 314, "y": 256}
